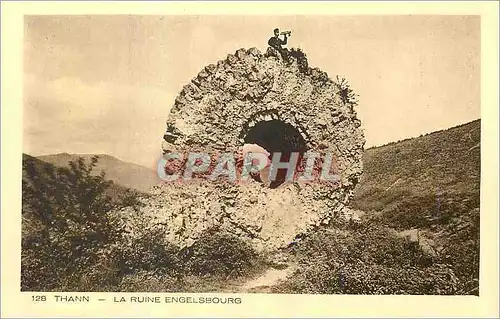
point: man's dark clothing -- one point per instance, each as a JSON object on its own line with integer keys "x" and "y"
{"x": 276, "y": 43}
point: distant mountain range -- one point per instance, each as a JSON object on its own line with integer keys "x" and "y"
{"x": 122, "y": 173}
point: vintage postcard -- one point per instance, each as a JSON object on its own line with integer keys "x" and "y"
{"x": 249, "y": 159}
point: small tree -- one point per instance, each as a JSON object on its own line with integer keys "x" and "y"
{"x": 68, "y": 214}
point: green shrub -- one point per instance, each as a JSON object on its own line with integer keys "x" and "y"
{"x": 461, "y": 249}
{"x": 148, "y": 252}
{"x": 362, "y": 278}
{"x": 366, "y": 259}
{"x": 301, "y": 58}
{"x": 219, "y": 254}
{"x": 368, "y": 243}
{"x": 425, "y": 212}
{"x": 345, "y": 92}
{"x": 144, "y": 281}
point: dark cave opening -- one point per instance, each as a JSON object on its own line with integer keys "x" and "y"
{"x": 277, "y": 136}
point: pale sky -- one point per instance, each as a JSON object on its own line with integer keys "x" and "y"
{"x": 105, "y": 84}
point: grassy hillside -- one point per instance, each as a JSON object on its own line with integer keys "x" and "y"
{"x": 420, "y": 233}
{"x": 122, "y": 173}
{"x": 433, "y": 170}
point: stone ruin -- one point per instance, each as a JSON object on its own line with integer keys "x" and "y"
{"x": 246, "y": 98}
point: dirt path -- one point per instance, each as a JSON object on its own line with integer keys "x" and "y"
{"x": 268, "y": 279}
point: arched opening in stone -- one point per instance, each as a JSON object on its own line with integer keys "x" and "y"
{"x": 277, "y": 136}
